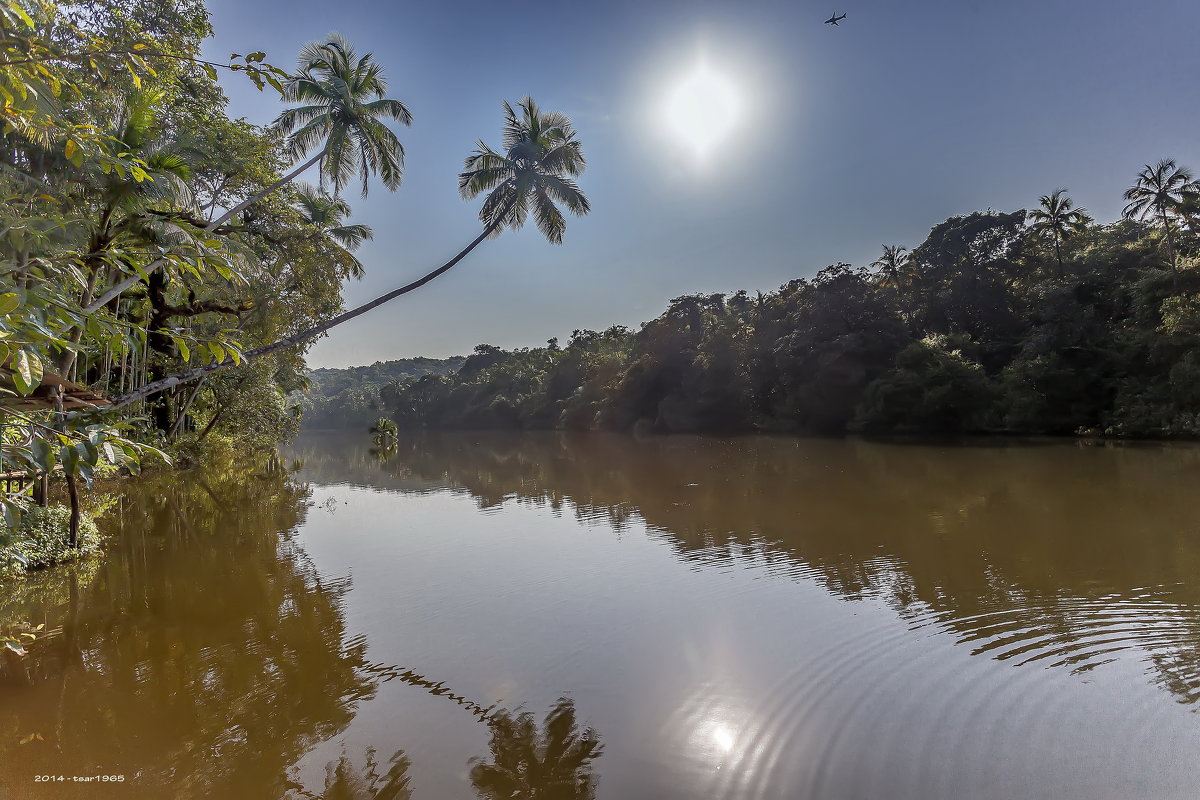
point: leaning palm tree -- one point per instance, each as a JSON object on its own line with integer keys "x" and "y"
{"x": 1058, "y": 219}
{"x": 533, "y": 175}
{"x": 326, "y": 214}
{"x": 344, "y": 105}
{"x": 1162, "y": 190}
{"x": 341, "y": 118}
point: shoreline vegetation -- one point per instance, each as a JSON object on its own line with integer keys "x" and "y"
{"x": 1021, "y": 323}
{"x": 162, "y": 268}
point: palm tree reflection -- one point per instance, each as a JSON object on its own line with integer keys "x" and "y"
{"x": 527, "y": 761}
{"x": 344, "y": 781}
{"x": 554, "y": 763}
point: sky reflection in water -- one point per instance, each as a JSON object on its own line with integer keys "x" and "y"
{"x": 674, "y": 617}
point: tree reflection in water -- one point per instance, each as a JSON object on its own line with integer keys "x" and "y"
{"x": 344, "y": 781}
{"x": 1059, "y": 554}
{"x": 527, "y": 761}
{"x": 550, "y": 763}
{"x": 201, "y": 660}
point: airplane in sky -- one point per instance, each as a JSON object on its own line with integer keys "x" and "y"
{"x": 834, "y": 19}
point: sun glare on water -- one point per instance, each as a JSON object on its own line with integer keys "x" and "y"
{"x": 723, "y": 738}
{"x": 702, "y": 108}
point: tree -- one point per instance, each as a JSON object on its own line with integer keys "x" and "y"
{"x": 344, "y": 105}
{"x": 532, "y": 175}
{"x": 967, "y": 266}
{"x": 892, "y": 265}
{"x": 931, "y": 388}
{"x": 133, "y": 211}
{"x": 1058, "y": 219}
{"x": 336, "y": 86}
{"x": 536, "y": 171}
{"x": 327, "y": 214}
{"x": 1162, "y": 190}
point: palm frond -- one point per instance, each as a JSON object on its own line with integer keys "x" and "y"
{"x": 351, "y": 237}
{"x": 564, "y": 159}
{"x": 302, "y": 142}
{"x": 393, "y": 109}
{"x": 566, "y": 192}
{"x": 546, "y": 215}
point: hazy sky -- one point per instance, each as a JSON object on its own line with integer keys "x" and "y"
{"x": 843, "y": 139}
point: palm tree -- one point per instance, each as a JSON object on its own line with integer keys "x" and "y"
{"x": 344, "y": 108}
{"x": 891, "y": 265}
{"x": 344, "y": 105}
{"x": 1060, "y": 220}
{"x": 534, "y": 174}
{"x": 1161, "y": 190}
{"x": 541, "y": 156}
{"x": 326, "y": 213}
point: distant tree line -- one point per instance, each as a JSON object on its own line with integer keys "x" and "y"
{"x": 349, "y": 398}
{"x": 1023, "y": 322}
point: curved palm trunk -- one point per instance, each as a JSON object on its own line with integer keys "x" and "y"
{"x": 124, "y": 285}
{"x": 303, "y": 336}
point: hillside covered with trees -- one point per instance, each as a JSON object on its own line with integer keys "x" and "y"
{"x": 1023, "y": 322}
{"x": 349, "y": 397}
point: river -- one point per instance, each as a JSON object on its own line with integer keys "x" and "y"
{"x": 537, "y": 614}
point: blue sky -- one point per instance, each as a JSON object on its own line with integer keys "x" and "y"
{"x": 847, "y": 138}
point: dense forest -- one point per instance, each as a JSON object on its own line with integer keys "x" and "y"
{"x": 349, "y": 397}
{"x": 1036, "y": 321}
{"x": 164, "y": 266}
{"x": 146, "y": 230}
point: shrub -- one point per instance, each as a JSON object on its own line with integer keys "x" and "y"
{"x": 43, "y": 538}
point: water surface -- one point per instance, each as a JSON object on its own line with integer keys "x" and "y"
{"x": 478, "y": 614}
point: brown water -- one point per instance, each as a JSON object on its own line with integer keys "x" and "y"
{"x": 676, "y": 618}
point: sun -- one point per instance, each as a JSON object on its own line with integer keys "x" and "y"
{"x": 702, "y": 108}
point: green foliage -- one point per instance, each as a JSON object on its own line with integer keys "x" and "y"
{"x": 384, "y": 428}
{"x": 983, "y": 327}
{"x": 149, "y": 243}
{"x": 42, "y": 538}
{"x": 354, "y": 397}
{"x": 534, "y": 175}
{"x": 930, "y": 389}
{"x": 118, "y": 152}
{"x": 342, "y": 103}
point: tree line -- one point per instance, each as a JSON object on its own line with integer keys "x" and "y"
{"x": 349, "y": 397}
{"x": 1029, "y": 322}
